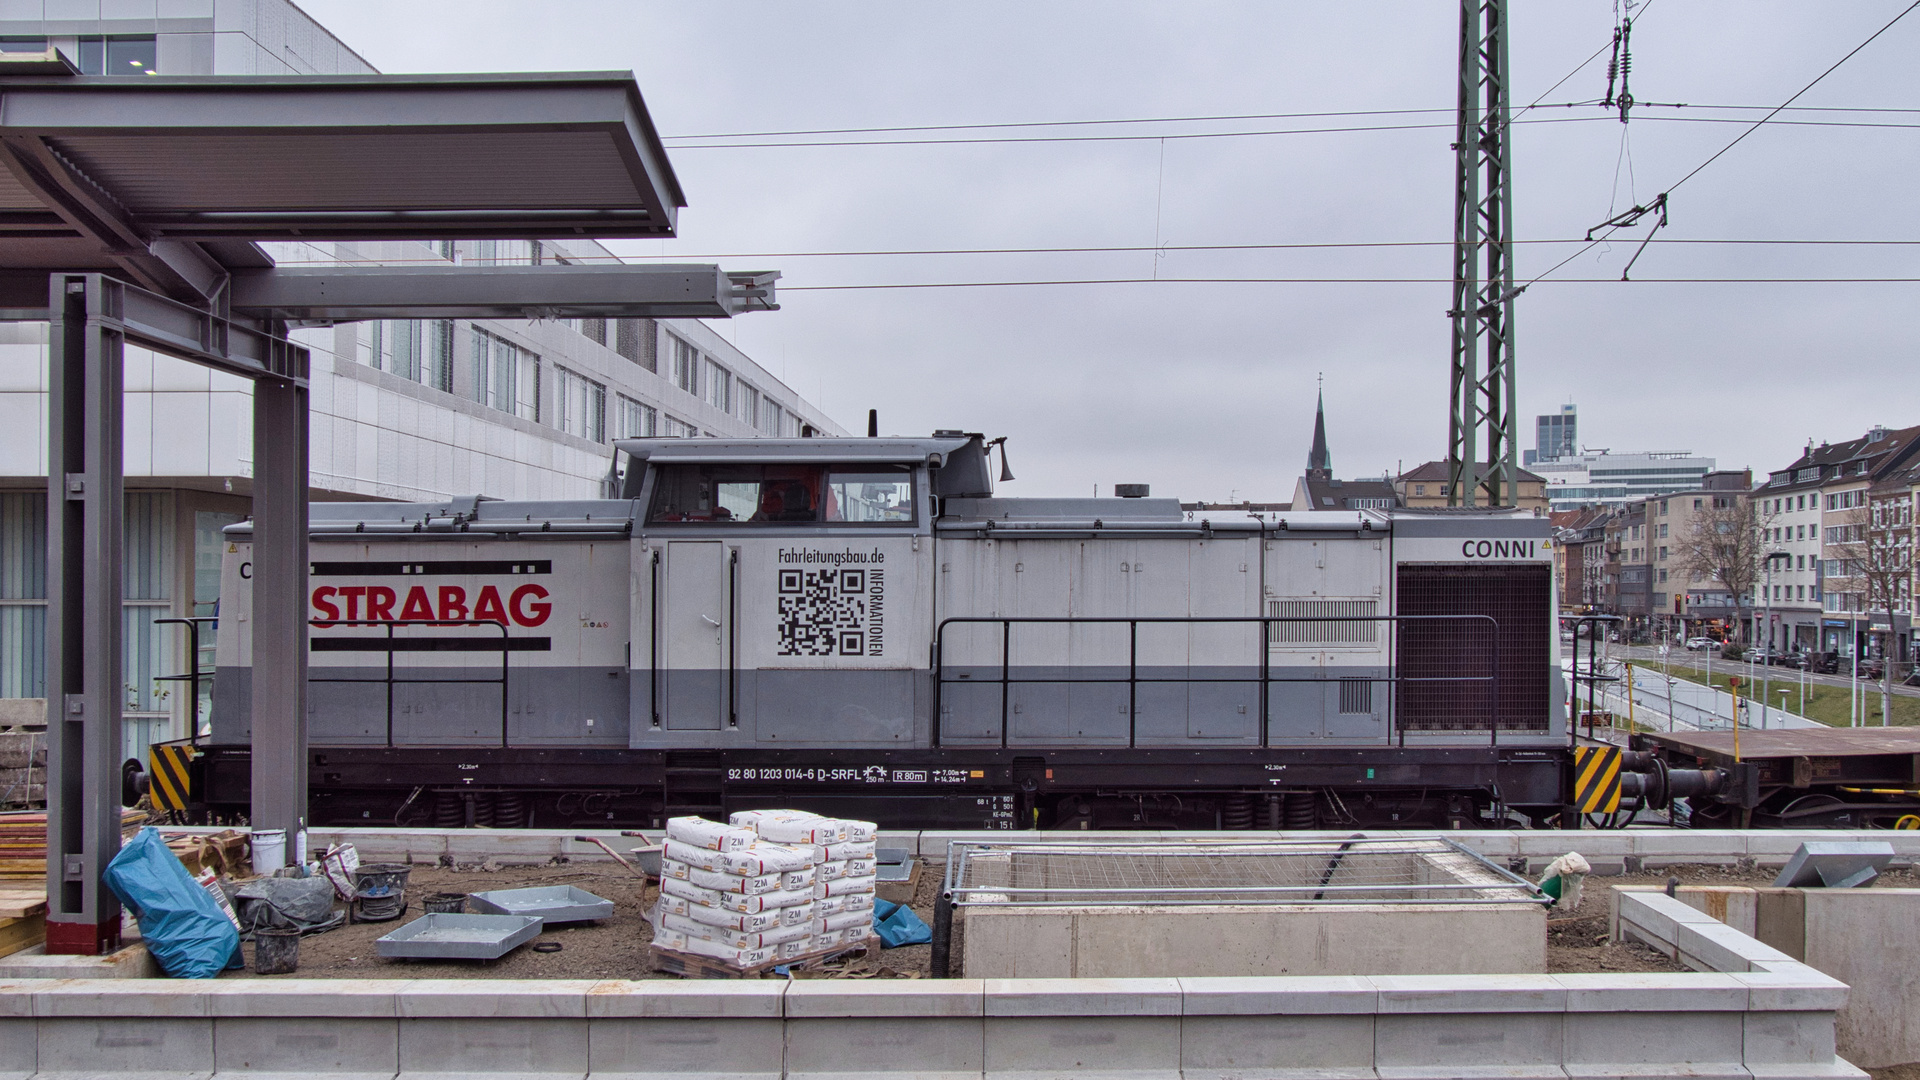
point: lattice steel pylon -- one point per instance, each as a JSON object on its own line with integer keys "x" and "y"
{"x": 1483, "y": 293}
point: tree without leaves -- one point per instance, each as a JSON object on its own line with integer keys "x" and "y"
{"x": 1724, "y": 543}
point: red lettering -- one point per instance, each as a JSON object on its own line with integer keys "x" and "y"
{"x": 417, "y": 605}
{"x": 453, "y": 602}
{"x": 351, "y": 594}
{"x": 488, "y": 606}
{"x": 380, "y": 603}
{"x": 323, "y": 604}
{"x": 529, "y": 614}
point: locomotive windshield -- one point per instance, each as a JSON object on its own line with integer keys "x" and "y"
{"x": 731, "y": 494}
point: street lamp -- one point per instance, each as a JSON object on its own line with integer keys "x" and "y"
{"x": 1766, "y": 673}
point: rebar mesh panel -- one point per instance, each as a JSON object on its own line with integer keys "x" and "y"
{"x": 1441, "y": 661}
{"x": 1136, "y": 873}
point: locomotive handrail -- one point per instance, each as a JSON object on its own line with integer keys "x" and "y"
{"x": 1265, "y": 680}
{"x": 506, "y": 651}
{"x": 193, "y": 675}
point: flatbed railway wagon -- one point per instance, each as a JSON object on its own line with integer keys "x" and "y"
{"x": 858, "y": 626}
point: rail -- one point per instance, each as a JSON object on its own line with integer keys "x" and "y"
{"x": 1006, "y": 680}
{"x": 394, "y": 645}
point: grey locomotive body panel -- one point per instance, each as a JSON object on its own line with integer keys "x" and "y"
{"x": 855, "y": 594}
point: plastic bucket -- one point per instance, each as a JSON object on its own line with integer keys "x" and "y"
{"x": 445, "y": 903}
{"x": 269, "y": 850}
{"x": 276, "y": 951}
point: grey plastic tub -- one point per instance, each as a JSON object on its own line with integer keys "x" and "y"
{"x": 460, "y": 937}
{"x": 554, "y": 903}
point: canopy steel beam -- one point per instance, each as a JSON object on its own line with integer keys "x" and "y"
{"x": 320, "y": 295}
{"x": 98, "y": 316}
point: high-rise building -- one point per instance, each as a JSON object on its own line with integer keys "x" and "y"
{"x": 1555, "y": 435}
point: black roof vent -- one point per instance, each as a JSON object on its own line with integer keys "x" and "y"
{"x": 1130, "y": 491}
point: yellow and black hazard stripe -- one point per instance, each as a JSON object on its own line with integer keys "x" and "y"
{"x": 168, "y": 764}
{"x": 1596, "y": 779}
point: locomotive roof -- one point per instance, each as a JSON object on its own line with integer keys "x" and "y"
{"x": 819, "y": 449}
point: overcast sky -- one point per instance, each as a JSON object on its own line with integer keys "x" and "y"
{"x": 1206, "y": 391}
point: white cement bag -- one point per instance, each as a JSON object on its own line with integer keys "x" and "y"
{"x": 743, "y": 939}
{"x": 842, "y": 886}
{"x": 798, "y": 947}
{"x": 797, "y": 914}
{"x": 862, "y": 868}
{"x": 861, "y": 832}
{"x": 677, "y": 886}
{"x": 734, "y": 920}
{"x": 755, "y": 861}
{"x": 733, "y": 883}
{"x": 828, "y": 939}
{"x": 668, "y": 904}
{"x": 850, "y": 920}
{"x": 799, "y": 879}
{"x": 862, "y": 849}
{"x": 764, "y": 901}
{"x": 701, "y": 833}
{"x": 796, "y": 827}
{"x": 720, "y": 950}
{"x": 860, "y": 901}
{"x": 830, "y": 869}
{"x": 670, "y": 939}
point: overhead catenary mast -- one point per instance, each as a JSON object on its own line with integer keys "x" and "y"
{"x": 1482, "y": 470}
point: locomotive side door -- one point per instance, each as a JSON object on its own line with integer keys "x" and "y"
{"x": 694, "y": 617}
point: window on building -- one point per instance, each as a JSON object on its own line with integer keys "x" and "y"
{"x": 117, "y": 54}
{"x": 719, "y": 387}
{"x": 770, "y": 416}
{"x": 629, "y": 342}
{"x": 636, "y": 421}
{"x": 417, "y": 349}
{"x": 1663, "y": 553}
{"x": 746, "y": 402}
{"x": 686, "y": 366}
{"x": 1813, "y": 532}
{"x": 594, "y": 330}
{"x": 1663, "y": 577}
{"x": 580, "y": 405}
{"x": 677, "y": 428}
{"x": 1663, "y": 530}
{"x": 506, "y": 376}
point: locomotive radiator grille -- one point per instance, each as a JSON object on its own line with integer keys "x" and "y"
{"x": 1322, "y": 633}
{"x": 1518, "y": 596}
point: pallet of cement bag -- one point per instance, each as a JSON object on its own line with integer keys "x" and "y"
{"x": 695, "y": 966}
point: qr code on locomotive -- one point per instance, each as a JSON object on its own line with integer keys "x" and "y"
{"x": 823, "y": 612}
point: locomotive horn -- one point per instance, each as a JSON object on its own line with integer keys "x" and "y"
{"x": 873, "y": 423}
{"x": 1006, "y": 471}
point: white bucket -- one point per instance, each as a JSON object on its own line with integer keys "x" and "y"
{"x": 269, "y": 850}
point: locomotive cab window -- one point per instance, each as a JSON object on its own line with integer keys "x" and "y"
{"x": 783, "y": 494}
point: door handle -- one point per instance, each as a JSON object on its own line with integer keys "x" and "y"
{"x": 715, "y": 623}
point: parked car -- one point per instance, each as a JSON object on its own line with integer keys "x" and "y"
{"x": 1825, "y": 663}
{"x": 1698, "y": 643}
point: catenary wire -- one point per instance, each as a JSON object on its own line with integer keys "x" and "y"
{"x": 1338, "y": 281}
{"x": 1135, "y": 248}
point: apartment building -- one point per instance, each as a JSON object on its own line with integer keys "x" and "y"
{"x": 401, "y": 409}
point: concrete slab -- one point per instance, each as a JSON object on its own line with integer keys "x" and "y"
{"x": 423, "y": 998}
{"x": 346, "y": 998}
{"x": 1631, "y": 992}
{"x": 144, "y": 999}
{"x": 1507, "y": 994}
{"x": 1082, "y": 997}
{"x": 928, "y": 1047}
{"x": 1240, "y": 1046}
{"x": 19, "y": 1045}
{"x": 1278, "y": 996}
{"x": 715, "y": 998}
{"x": 1087, "y": 1047}
{"x": 670, "y": 1048}
{"x": 95, "y": 1045}
{"x": 132, "y": 962}
{"x": 547, "y": 1047}
{"x": 1617, "y": 1044}
{"x": 1427, "y": 1043}
{"x": 811, "y": 999}
{"x": 306, "y": 1045}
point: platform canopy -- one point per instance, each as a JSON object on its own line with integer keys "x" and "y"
{"x": 170, "y": 180}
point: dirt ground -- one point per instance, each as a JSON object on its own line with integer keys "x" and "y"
{"x": 617, "y": 948}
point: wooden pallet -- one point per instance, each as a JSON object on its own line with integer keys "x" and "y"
{"x": 695, "y": 966}
{"x": 23, "y": 933}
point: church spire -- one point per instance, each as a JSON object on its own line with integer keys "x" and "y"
{"x": 1319, "y": 461}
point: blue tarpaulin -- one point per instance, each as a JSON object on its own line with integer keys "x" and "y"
{"x": 897, "y": 925}
{"x": 185, "y": 931}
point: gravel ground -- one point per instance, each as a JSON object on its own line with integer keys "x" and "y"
{"x": 617, "y": 948}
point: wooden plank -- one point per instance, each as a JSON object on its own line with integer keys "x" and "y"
{"x": 18, "y": 903}
{"x": 17, "y": 934}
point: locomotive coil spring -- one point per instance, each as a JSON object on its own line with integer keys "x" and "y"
{"x": 482, "y": 808}
{"x": 1300, "y": 810}
{"x": 448, "y": 811}
{"x": 510, "y": 810}
{"x": 1237, "y": 813}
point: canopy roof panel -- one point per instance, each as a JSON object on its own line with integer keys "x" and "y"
{"x": 339, "y": 157}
